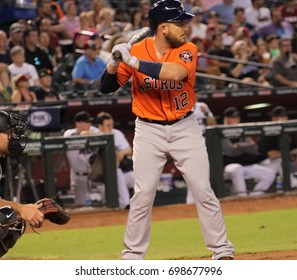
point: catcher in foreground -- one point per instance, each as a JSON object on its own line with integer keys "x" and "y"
{"x": 13, "y": 215}
{"x": 13, "y": 218}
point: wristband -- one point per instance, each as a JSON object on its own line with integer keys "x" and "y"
{"x": 152, "y": 69}
{"x": 131, "y": 61}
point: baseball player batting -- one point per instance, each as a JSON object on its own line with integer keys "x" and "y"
{"x": 163, "y": 72}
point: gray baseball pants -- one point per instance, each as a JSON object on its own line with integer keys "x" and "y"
{"x": 184, "y": 143}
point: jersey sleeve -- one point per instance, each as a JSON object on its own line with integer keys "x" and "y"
{"x": 186, "y": 55}
{"x": 124, "y": 73}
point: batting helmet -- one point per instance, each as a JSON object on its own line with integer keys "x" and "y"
{"x": 167, "y": 11}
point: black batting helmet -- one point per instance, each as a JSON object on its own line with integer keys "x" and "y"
{"x": 167, "y": 11}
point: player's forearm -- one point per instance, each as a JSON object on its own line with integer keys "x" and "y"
{"x": 169, "y": 71}
{"x": 109, "y": 82}
{"x": 16, "y": 206}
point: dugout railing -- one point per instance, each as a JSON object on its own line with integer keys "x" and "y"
{"x": 214, "y": 136}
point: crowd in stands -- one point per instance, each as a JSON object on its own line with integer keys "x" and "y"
{"x": 71, "y": 42}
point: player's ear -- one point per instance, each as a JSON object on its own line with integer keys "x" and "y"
{"x": 163, "y": 27}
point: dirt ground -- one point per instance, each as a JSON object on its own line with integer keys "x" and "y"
{"x": 95, "y": 217}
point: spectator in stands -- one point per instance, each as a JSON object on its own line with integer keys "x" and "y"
{"x": 284, "y": 66}
{"x": 217, "y": 48}
{"x": 277, "y": 26}
{"x": 270, "y": 149}
{"x": 5, "y": 60}
{"x": 46, "y": 92}
{"x": 257, "y": 15}
{"x": 107, "y": 25}
{"x": 70, "y": 20}
{"x": 45, "y": 24}
{"x": 213, "y": 20}
{"x": 4, "y": 51}
{"x": 15, "y": 35}
{"x": 79, "y": 159}
{"x": 241, "y": 161}
{"x": 4, "y": 94}
{"x": 202, "y": 60}
{"x": 96, "y": 8}
{"x": 136, "y": 19}
{"x": 197, "y": 27}
{"x": 21, "y": 90}
{"x": 56, "y": 10}
{"x": 45, "y": 10}
{"x": 89, "y": 67}
{"x": 225, "y": 11}
{"x": 243, "y": 33}
{"x": 262, "y": 53}
{"x": 273, "y": 45}
{"x": 44, "y": 44}
{"x": 19, "y": 66}
{"x": 229, "y": 36}
{"x": 125, "y": 174}
{"x": 84, "y": 31}
{"x": 33, "y": 54}
{"x": 289, "y": 12}
{"x": 145, "y": 6}
{"x": 204, "y": 118}
{"x": 248, "y": 73}
{"x": 239, "y": 16}
{"x": 211, "y": 30}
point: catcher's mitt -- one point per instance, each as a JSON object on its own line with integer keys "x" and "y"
{"x": 52, "y": 211}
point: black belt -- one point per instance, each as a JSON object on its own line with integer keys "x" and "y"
{"x": 166, "y": 122}
{"x": 81, "y": 174}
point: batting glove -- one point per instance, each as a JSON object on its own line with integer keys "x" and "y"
{"x": 126, "y": 56}
{"x": 113, "y": 63}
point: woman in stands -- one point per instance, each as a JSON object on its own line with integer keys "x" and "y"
{"x": 21, "y": 90}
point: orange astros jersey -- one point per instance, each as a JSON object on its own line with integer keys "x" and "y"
{"x": 157, "y": 99}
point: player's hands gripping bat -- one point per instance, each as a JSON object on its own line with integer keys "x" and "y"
{"x": 121, "y": 52}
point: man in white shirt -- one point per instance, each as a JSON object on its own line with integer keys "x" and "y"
{"x": 125, "y": 178}
{"x": 79, "y": 159}
{"x": 197, "y": 27}
{"x": 257, "y": 15}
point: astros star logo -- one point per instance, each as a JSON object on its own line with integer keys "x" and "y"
{"x": 186, "y": 56}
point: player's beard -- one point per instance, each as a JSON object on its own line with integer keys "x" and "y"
{"x": 173, "y": 41}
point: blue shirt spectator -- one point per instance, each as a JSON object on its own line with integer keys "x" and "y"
{"x": 89, "y": 67}
{"x": 88, "y": 70}
{"x": 225, "y": 11}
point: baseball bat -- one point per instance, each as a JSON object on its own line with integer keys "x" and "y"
{"x": 144, "y": 32}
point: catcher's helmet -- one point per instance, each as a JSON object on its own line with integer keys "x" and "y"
{"x": 15, "y": 127}
{"x": 4, "y": 121}
{"x": 167, "y": 11}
